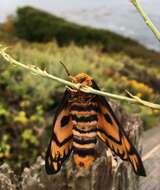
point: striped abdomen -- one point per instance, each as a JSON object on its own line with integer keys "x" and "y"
{"x": 84, "y": 119}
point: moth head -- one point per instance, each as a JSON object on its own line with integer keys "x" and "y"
{"x": 83, "y": 79}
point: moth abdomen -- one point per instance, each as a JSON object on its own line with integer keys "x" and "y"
{"x": 84, "y": 119}
{"x": 84, "y": 157}
{"x": 84, "y": 141}
{"x": 83, "y": 152}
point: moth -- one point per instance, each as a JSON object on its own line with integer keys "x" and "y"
{"x": 82, "y": 119}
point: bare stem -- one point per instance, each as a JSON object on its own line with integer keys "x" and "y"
{"x": 146, "y": 18}
{"x": 86, "y": 89}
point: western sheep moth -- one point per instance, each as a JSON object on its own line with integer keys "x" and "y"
{"x": 79, "y": 120}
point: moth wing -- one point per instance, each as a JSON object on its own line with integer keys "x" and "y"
{"x": 60, "y": 145}
{"x": 111, "y": 132}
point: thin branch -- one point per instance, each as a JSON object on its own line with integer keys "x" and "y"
{"x": 78, "y": 86}
{"x": 146, "y": 18}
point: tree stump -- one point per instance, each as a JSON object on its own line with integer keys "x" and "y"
{"x": 105, "y": 174}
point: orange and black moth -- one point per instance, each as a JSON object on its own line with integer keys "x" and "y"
{"x": 82, "y": 119}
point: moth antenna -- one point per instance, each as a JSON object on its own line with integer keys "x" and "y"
{"x": 67, "y": 71}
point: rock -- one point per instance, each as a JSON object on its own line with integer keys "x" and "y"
{"x": 7, "y": 178}
{"x": 106, "y": 172}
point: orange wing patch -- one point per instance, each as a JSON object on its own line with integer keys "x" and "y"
{"x": 110, "y": 133}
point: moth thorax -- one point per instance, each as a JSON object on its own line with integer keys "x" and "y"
{"x": 81, "y": 97}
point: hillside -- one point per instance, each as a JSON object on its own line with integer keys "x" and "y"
{"x": 27, "y": 102}
{"x": 36, "y": 25}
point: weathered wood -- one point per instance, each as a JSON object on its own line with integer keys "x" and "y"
{"x": 151, "y": 155}
{"x": 105, "y": 174}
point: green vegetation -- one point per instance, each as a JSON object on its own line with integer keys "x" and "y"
{"x": 28, "y": 102}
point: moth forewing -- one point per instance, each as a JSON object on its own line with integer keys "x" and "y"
{"x": 60, "y": 145}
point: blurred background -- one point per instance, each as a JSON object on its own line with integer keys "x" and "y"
{"x": 106, "y": 39}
